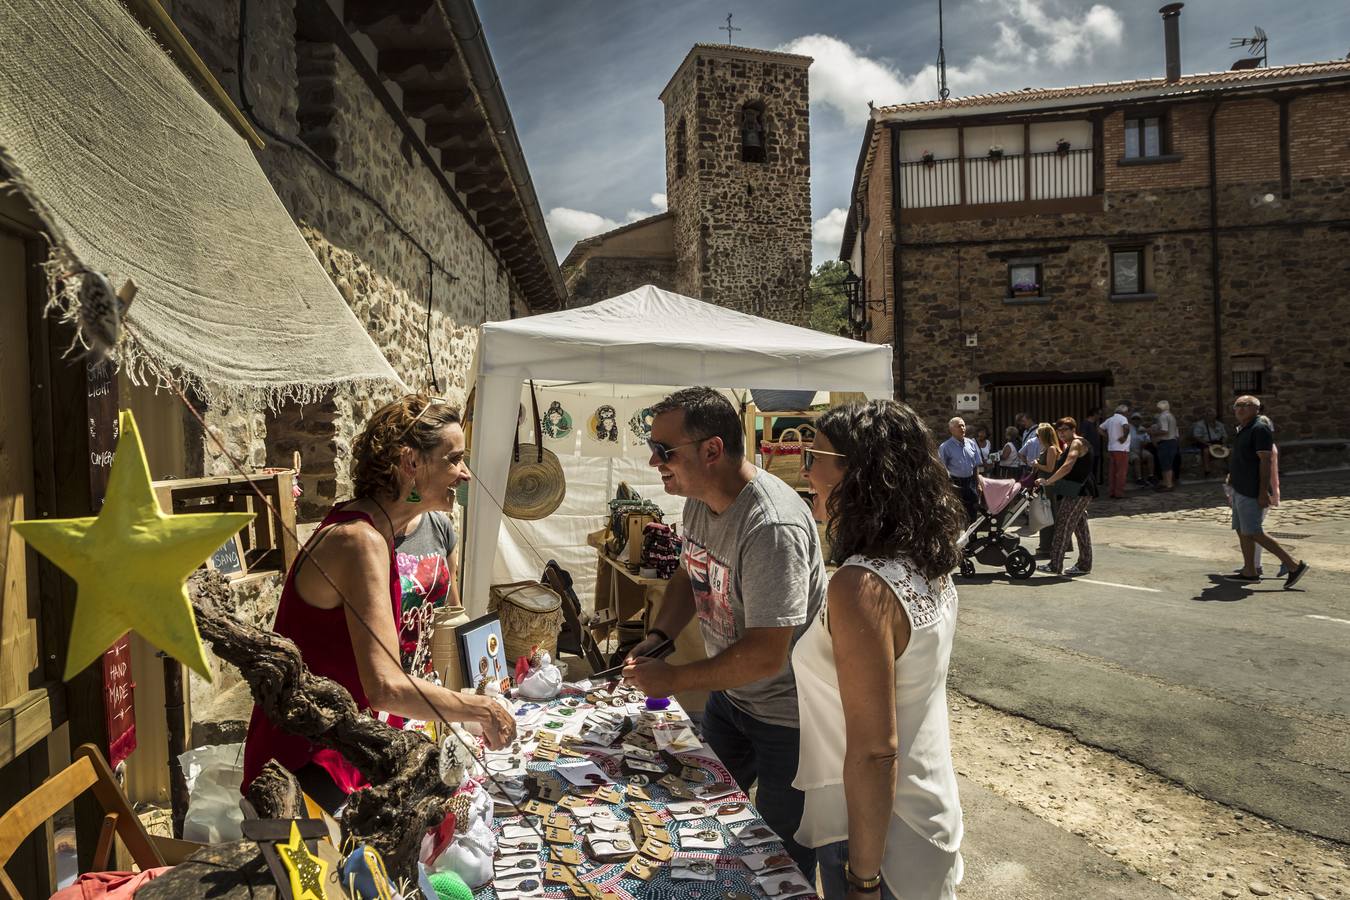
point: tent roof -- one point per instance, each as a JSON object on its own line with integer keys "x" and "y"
{"x": 652, "y": 336}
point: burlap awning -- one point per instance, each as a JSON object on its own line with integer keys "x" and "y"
{"x": 137, "y": 176}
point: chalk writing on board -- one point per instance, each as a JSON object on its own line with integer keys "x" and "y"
{"x": 226, "y": 559}
{"x": 119, "y": 704}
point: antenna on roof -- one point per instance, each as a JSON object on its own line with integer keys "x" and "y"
{"x": 943, "y": 93}
{"x": 1257, "y": 43}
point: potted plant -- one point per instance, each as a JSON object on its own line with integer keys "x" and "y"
{"x": 996, "y": 152}
{"x": 1062, "y": 147}
{"x": 927, "y": 158}
{"x": 1026, "y": 289}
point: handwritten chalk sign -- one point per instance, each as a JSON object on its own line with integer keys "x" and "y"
{"x": 228, "y": 560}
{"x": 119, "y": 700}
{"x": 101, "y": 412}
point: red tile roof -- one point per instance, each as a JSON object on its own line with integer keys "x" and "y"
{"x": 1161, "y": 86}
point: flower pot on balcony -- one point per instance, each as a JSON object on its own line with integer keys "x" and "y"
{"x": 927, "y": 160}
{"x": 996, "y": 153}
{"x": 1062, "y": 148}
{"x": 1033, "y": 293}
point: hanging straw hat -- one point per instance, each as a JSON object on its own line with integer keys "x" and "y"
{"x": 535, "y": 486}
{"x": 1218, "y": 451}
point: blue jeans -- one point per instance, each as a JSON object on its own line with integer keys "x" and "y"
{"x": 832, "y": 858}
{"x": 757, "y": 751}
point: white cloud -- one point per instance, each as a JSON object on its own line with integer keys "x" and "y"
{"x": 827, "y": 233}
{"x": 567, "y": 226}
{"x": 658, "y": 201}
{"x": 1029, "y": 32}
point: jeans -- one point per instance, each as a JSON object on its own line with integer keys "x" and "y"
{"x": 832, "y": 858}
{"x": 754, "y": 750}
{"x": 968, "y": 489}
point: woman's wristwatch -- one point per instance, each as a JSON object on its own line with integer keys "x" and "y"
{"x": 864, "y": 885}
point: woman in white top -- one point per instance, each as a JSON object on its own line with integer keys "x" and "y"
{"x": 881, "y": 800}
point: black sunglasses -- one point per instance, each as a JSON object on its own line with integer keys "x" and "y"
{"x": 809, "y": 457}
{"x": 664, "y": 453}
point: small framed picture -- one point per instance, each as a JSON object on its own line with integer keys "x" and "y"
{"x": 482, "y": 653}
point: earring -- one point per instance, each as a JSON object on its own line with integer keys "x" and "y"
{"x": 413, "y": 496}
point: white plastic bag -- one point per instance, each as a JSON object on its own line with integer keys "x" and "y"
{"x": 214, "y": 775}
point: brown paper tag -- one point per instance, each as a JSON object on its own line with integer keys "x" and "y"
{"x": 641, "y": 867}
{"x": 560, "y": 836}
{"x": 569, "y": 855}
{"x": 538, "y": 808}
{"x": 607, "y": 795}
{"x": 571, "y": 801}
{"x": 656, "y": 850}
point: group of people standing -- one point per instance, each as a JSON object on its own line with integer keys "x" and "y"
{"x": 829, "y": 693}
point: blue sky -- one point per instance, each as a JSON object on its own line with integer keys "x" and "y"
{"x": 582, "y": 76}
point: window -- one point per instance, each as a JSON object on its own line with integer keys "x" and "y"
{"x": 1144, "y": 137}
{"x": 1024, "y": 279}
{"x": 1127, "y": 271}
{"x": 680, "y": 135}
{"x": 753, "y": 138}
{"x": 1247, "y": 383}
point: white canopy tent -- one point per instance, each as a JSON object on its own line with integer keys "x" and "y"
{"x": 645, "y": 337}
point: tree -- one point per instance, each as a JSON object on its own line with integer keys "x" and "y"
{"x": 829, "y": 305}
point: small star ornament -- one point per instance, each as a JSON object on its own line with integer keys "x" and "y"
{"x": 131, "y": 562}
{"x": 307, "y": 872}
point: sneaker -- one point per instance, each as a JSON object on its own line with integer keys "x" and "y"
{"x": 1074, "y": 570}
{"x": 1259, "y": 571}
{"x": 1046, "y": 569}
{"x": 1242, "y": 579}
{"x": 1284, "y": 570}
{"x": 1295, "y": 575}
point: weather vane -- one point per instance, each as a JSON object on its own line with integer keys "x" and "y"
{"x": 728, "y": 28}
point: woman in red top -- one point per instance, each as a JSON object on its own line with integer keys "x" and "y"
{"x": 341, "y": 604}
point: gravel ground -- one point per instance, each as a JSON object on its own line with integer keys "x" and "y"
{"x": 1194, "y": 847}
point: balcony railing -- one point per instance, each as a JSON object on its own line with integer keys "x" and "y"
{"x": 1053, "y": 175}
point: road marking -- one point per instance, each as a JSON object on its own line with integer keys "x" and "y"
{"x": 1128, "y": 587}
{"x": 1329, "y": 619}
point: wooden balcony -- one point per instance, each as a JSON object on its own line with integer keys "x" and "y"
{"x": 1009, "y": 185}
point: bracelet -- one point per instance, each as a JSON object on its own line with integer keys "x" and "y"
{"x": 664, "y": 636}
{"x": 865, "y": 885}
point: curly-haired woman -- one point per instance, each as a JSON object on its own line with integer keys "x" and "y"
{"x": 342, "y": 603}
{"x": 881, "y": 802}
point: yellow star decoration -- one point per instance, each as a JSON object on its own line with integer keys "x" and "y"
{"x": 131, "y": 561}
{"x": 306, "y": 870}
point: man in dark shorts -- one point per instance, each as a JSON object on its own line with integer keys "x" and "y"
{"x": 1249, "y": 477}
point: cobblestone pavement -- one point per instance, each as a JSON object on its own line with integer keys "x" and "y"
{"x": 1323, "y": 497}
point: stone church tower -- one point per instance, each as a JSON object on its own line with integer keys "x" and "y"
{"x": 738, "y": 178}
{"x": 737, "y": 231}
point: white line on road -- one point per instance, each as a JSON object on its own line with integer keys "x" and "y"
{"x": 1329, "y": 619}
{"x": 1128, "y": 587}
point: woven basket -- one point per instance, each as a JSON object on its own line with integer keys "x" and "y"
{"x": 531, "y": 616}
{"x": 783, "y": 457}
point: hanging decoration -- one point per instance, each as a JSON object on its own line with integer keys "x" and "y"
{"x": 640, "y": 426}
{"x": 604, "y": 425}
{"x": 556, "y": 422}
{"x": 130, "y": 562}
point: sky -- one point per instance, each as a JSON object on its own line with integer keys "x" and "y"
{"x": 582, "y": 77}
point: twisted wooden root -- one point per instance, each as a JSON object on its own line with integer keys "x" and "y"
{"x": 406, "y": 796}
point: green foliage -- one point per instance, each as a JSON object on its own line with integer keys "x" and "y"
{"x": 829, "y": 306}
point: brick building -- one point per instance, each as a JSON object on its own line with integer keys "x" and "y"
{"x": 1183, "y": 238}
{"x": 738, "y": 183}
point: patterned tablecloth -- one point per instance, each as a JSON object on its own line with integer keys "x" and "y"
{"x": 732, "y": 878}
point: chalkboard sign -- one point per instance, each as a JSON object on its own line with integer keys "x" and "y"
{"x": 228, "y": 560}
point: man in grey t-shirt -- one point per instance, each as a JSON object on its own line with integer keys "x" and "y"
{"x": 751, "y": 569}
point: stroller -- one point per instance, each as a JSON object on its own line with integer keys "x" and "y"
{"x": 989, "y": 539}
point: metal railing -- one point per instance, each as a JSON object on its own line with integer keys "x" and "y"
{"x": 1054, "y": 175}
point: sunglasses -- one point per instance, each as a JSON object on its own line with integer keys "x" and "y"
{"x": 664, "y": 453}
{"x": 809, "y": 457}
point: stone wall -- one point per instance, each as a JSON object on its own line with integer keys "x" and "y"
{"x": 743, "y": 229}
{"x": 310, "y": 93}
{"x": 601, "y": 277}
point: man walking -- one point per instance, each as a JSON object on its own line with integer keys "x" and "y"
{"x": 961, "y": 456}
{"x": 1117, "y": 432}
{"x": 751, "y": 569}
{"x": 1249, "y": 477}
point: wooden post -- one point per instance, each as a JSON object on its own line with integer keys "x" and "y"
{"x": 1026, "y": 160}
{"x": 177, "y": 739}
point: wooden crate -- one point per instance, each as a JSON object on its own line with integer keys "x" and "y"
{"x": 267, "y": 543}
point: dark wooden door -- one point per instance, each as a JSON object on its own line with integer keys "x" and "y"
{"x": 1044, "y": 402}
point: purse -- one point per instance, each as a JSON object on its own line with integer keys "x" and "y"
{"x": 1040, "y": 514}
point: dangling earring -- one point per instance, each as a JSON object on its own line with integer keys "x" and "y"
{"x": 413, "y": 496}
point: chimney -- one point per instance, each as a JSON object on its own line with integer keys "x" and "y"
{"x": 1171, "y": 16}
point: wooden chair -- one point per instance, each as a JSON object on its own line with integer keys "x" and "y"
{"x": 89, "y": 771}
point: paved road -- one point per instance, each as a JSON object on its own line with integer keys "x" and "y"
{"x": 1240, "y": 694}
